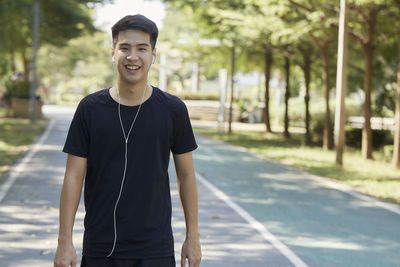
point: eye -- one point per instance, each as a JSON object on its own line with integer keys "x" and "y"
{"x": 142, "y": 49}
{"x": 124, "y": 49}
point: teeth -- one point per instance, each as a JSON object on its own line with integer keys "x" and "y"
{"x": 132, "y": 67}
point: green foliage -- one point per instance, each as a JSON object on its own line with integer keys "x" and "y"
{"x": 285, "y": 26}
{"x": 59, "y": 21}
{"x": 15, "y": 18}
{"x": 181, "y": 40}
{"x": 185, "y": 95}
{"x": 380, "y": 138}
{"x": 244, "y": 104}
{"x": 317, "y": 113}
{"x": 16, "y": 88}
{"x": 385, "y": 101}
{"x": 81, "y": 67}
{"x": 4, "y": 66}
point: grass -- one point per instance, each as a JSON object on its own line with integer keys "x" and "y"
{"x": 375, "y": 178}
{"x": 15, "y": 137}
{"x": 3, "y": 111}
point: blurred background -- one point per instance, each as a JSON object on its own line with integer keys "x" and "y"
{"x": 268, "y": 66}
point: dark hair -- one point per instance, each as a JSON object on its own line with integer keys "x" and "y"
{"x": 135, "y": 22}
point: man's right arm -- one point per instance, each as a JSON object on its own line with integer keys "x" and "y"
{"x": 69, "y": 201}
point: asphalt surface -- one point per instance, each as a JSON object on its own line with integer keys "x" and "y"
{"x": 252, "y": 211}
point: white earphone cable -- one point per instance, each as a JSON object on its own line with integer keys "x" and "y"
{"x": 126, "y": 138}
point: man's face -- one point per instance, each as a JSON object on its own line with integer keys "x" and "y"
{"x": 133, "y": 56}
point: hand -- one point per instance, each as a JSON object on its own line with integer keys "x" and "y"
{"x": 65, "y": 256}
{"x": 191, "y": 250}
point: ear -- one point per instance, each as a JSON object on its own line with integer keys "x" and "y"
{"x": 154, "y": 52}
{"x": 112, "y": 55}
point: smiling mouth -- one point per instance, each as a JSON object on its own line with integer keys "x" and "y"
{"x": 130, "y": 67}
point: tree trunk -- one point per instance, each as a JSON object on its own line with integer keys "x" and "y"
{"x": 33, "y": 85}
{"x": 327, "y": 135}
{"x": 396, "y": 146}
{"x": 366, "y": 145}
{"x": 368, "y": 49}
{"x": 287, "y": 95}
{"x": 232, "y": 74}
{"x": 27, "y": 65}
{"x": 13, "y": 68}
{"x": 307, "y": 79}
{"x": 268, "y": 64}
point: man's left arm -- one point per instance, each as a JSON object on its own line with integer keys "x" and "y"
{"x": 188, "y": 194}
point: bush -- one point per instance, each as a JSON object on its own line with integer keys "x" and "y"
{"x": 380, "y": 138}
{"x": 317, "y": 124}
{"x": 185, "y": 95}
{"x": 18, "y": 88}
{"x": 353, "y": 137}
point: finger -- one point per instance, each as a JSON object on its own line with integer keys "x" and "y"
{"x": 194, "y": 263}
{"x": 183, "y": 260}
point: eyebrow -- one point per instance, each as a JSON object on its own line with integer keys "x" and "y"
{"x": 128, "y": 44}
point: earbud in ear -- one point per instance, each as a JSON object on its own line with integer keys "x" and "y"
{"x": 113, "y": 59}
{"x": 154, "y": 59}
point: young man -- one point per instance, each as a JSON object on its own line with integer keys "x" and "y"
{"x": 119, "y": 143}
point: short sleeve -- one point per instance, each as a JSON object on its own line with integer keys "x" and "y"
{"x": 77, "y": 142}
{"x": 183, "y": 138}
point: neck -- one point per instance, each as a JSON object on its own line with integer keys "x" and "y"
{"x": 131, "y": 95}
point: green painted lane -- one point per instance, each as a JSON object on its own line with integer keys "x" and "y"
{"x": 321, "y": 225}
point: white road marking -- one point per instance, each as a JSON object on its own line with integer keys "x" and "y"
{"x": 324, "y": 181}
{"x": 15, "y": 171}
{"x": 267, "y": 235}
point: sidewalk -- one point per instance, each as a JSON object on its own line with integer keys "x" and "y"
{"x": 29, "y": 214}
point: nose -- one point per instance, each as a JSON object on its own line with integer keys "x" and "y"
{"x": 132, "y": 55}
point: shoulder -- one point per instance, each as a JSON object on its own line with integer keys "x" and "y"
{"x": 167, "y": 98}
{"x": 94, "y": 98}
{"x": 91, "y": 102}
{"x": 172, "y": 102}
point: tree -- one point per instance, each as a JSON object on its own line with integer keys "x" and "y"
{"x": 267, "y": 72}
{"x": 316, "y": 20}
{"x": 246, "y": 24}
{"x": 287, "y": 93}
{"x": 222, "y": 20}
{"x": 60, "y": 21}
{"x": 261, "y": 24}
{"x": 77, "y": 66}
{"x": 364, "y": 30}
{"x": 291, "y": 36}
{"x": 306, "y": 51}
{"x": 396, "y": 145}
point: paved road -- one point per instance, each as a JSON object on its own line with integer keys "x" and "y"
{"x": 253, "y": 212}
{"x": 323, "y": 223}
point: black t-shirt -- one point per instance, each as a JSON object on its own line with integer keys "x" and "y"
{"x": 143, "y": 216}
